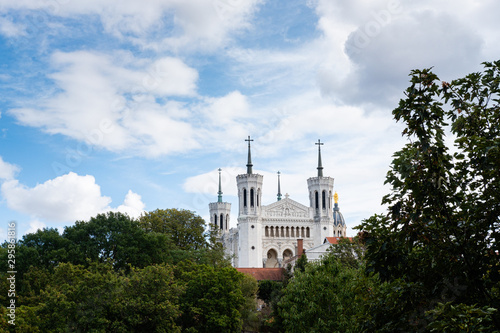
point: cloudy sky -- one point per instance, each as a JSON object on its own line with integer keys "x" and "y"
{"x": 130, "y": 105}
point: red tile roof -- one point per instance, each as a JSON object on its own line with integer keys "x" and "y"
{"x": 335, "y": 240}
{"x": 275, "y": 274}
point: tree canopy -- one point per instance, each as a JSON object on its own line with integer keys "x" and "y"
{"x": 441, "y": 233}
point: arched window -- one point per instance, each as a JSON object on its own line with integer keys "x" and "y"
{"x": 244, "y": 197}
{"x": 227, "y": 221}
{"x": 293, "y": 233}
{"x": 316, "y": 200}
{"x": 252, "y": 197}
{"x": 287, "y": 254}
{"x": 307, "y": 232}
{"x": 302, "y": 232}
{"x": 323, "y": 199}
{"x": 221, "y": 221}
{"x": 272, "y": 231}
{"x": 267, "y": 231}
{"x": 215, "y": 219}
{"x": 272, "y": 259}
{"x": 282, "y": 231}
{"x": 330, "y": 200}
{"x": 287, "y": 231}
{"x": 257, "y": 198}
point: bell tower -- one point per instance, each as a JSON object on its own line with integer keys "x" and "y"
{"x": 220, "y": 211}
{"x": 320, "y": 200}
{"x": 249, "y": 216}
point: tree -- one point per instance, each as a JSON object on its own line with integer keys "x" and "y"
{"x": 183, "y": 227}
{"x": 326, "y": 297}
{"x": 441, "y": 233}
{"x": 248, "y": 310}
{"x": 149, "y": 300}
{"x": 349, "y": 252}
{"x": 213, "y": 299}
{"x": 44, "y": 248}
{"x": 115, "y": 237}
{"x": 99, "y": 299}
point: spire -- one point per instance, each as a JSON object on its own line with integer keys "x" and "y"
{"x": 220, "y": 188}
{"x": 320, "y": 166}
{"x": 249, "y": 163}
{"x": 279, "y": 187}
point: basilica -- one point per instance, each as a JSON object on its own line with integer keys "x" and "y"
{"x": 268, "y": 235}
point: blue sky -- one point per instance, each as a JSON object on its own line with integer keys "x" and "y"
{"x": 132, "y": 106}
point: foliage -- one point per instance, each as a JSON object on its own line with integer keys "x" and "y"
{"x": 268, "y": 288}
{"x": 440, "y": 236}
{"x": 461, "y": 318}
{"x": 212, "y": 299}
{"x": 248, "y": 310}
{"x": 349, "y": 252}
{"x": 97, "y": 298}
{"x": 185, "y": 229}
{"x": 326, "y": 297}
{"x": 114, "y": 237}
{"x": 301, "y": 263}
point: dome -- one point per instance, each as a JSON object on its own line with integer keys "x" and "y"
{"x": 338, "y": 219}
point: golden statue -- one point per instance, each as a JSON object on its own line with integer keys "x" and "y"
{"x": 336, "y": 198}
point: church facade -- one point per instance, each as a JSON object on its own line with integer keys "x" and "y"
{"x": 266, "y": 235}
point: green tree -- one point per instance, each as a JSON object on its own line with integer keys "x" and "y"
{"x": 248, "y": 310}
{"x": 301, "y": 263}
{"x": 212, "y": 300}
{"x": 44, "y": 248}
{"x": 149, "y": 300}
{"x": 349, "y": 252}
{"x": 183, "y": 227}
{"x": 115, "y": 237}
{"x": 79, "y": 299}
{"x": 99, "y": 299}
{"x": 441, "y": 233}
{"x": 326, "y": 297}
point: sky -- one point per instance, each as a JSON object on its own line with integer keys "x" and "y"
{"x": 132, "y": 106}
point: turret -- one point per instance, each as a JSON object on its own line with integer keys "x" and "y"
{"x": 320, "y": 199}
{"x": 249, "y": 218}
{"x": 220, "y": 211}
{"x": 339, "y": 227}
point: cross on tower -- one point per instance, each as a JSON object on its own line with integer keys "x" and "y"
{"x": 320, "y": 166}
{"x": 220, "y": 188}
{"x": 249, "y": 164}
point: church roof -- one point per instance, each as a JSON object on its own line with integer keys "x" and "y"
{"x": 334, "y": 240}
{"x": 274, "y": 274}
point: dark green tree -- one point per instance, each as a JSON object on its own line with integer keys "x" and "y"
{"x": 440, "y": 236}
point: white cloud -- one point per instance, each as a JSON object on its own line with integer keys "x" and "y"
{"x": 7, "y": 171}
{"x": 34, "y": 226}
{"x": 106, "y": 102}
{"x": 371, "y": 46}
{"x": 9, "y": 29}
{"x": 64, "y": 199}
{"x": 132, "y": 205}
{"x": 196, "y": 23}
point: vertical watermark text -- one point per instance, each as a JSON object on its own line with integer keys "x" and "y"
{"x": 11, "y": 271}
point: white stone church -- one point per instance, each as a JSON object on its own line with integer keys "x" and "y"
{"x": 266, "y": 235}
